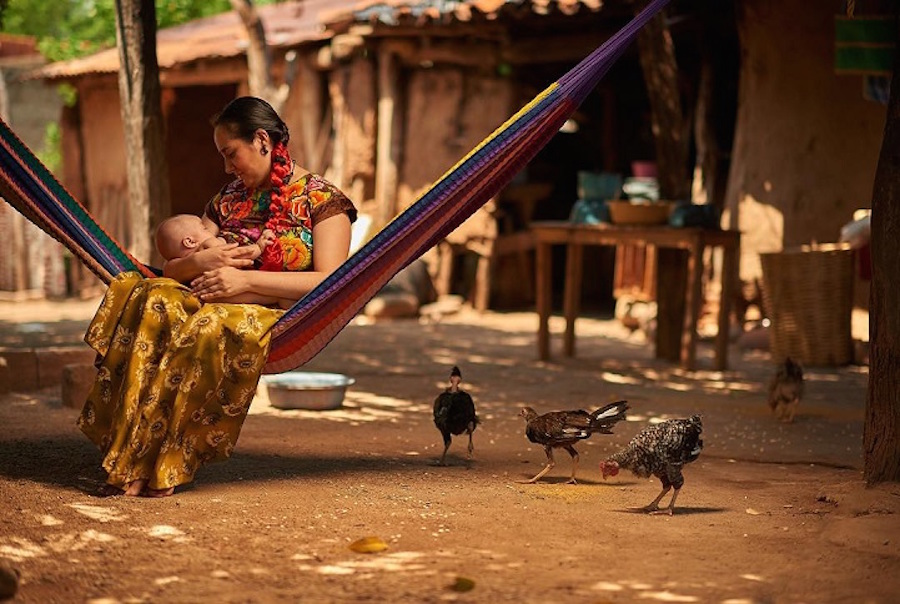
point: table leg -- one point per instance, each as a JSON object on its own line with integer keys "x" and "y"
{"x": 572, "y": 294}
{"x": 729, "y": 280}
{"x": 693, "y": 303}
{"x": 543, "y": 278}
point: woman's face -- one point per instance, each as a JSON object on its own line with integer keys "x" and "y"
{"x": 242, "y": 159}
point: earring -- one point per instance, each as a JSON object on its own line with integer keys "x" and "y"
{"x": 264, "y": 150}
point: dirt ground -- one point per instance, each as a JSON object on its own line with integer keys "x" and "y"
{"x": 769, "y": 513}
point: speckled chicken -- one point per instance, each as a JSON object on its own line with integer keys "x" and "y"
{"x": 454, "y": 413}
{"x": 562, "y": 429}
{"x": 662, "y": 451}
{"x": 786, "y": 389}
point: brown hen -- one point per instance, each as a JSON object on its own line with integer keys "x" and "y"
{"x": 562, "y": 429}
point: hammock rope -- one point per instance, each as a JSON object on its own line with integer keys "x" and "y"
{"x": 309, "y": 325}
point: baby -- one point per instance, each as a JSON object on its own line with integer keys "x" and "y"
{"x": 181, "y": 235}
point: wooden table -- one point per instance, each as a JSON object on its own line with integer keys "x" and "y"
{"x": 691, "y": 240}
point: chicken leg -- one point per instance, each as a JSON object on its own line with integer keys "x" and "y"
{"x": 550, "y": 463}
{"x": 574, "y": 455}
{"x": 470, "y": 429}
{"x": 446, "y": 448}
{"x": 653, "y": 506}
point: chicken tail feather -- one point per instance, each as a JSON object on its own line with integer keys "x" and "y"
{"x": 613, "y": 411}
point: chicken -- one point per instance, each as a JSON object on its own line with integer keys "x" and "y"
{"x": 661, "y": 451}
{"x": 454, "y": 413}
{"x": 565, "y": 428}
{"x": 785, "y": 390}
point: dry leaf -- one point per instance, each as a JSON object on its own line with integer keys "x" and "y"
{"x": 462, "y": 584}
{"x": 368, "y": 545}
{"x": 752, "y": 512}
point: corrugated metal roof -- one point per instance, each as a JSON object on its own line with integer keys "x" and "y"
{"x": 421, "y": 12}
{"x": 220, "y": 36}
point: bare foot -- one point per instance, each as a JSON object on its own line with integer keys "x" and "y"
{"x": 158, "y": 492}
{"x": 134, "y": 489}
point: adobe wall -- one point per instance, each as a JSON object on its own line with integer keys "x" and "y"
{"x": 806, "y": 142}
{"x": 31, "y": 263}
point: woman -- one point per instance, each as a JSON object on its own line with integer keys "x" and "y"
{"x": 178, "y": 365}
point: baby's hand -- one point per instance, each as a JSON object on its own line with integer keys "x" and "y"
{"x": 267, "y": 237}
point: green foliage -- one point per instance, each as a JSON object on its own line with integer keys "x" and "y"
{"x": 67, "y": 29}
{"x": 51, "y": 152}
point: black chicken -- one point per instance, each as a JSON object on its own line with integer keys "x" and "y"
{"x": 565, "y": 428}
{"x": 785, "y": 390}
{"x": 454, "y": 413}
{"x": 661, "y": 451}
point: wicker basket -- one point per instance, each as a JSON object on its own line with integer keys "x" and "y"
{"x": 808, "y": 294}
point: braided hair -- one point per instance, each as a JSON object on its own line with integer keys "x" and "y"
{"x": 243, "y": 117}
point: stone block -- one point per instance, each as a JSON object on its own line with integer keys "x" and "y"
{"x": 77, "y": 381}
{"x": 18, "y": 370}
{"x": 52, "y": 360}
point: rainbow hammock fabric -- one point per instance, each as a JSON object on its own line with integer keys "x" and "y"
{"x": 308, "y": 326}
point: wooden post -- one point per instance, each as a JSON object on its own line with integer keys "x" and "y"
{"x": 543, "y": 278}
{"x": 572, "y": 294}
{"x": 336, "y": 88}
{"x": 693, "y": 302}
{"x": 671, "y": 276}
{"x": 730, "y": 255}
{"x": 139, "y": 90}
{"x": 310, "y": 91}
{"x": 387, "y": 145}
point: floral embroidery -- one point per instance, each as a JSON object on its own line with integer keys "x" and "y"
{"x": 242, "y": 215}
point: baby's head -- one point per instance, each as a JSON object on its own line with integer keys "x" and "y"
{"x": 180, "y": 235}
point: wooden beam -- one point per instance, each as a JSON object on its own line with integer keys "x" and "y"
{"x": 554, "y": 49}
{"x": 205, "y": 73}
{"x": 311, "y": 101}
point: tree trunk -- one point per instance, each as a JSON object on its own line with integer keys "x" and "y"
{"x": 881, "y": 437}
{"x": 148, "y": 175}
{"x": 259, "y": 59}
{"x": 657, "y": 55}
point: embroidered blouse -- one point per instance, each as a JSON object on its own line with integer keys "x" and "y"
{"x": 241, "y": 215}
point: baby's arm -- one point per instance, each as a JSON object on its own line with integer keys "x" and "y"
{"x": 255, "y": 250}
{"x": 267, "y": 237}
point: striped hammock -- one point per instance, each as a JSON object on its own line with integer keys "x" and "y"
{"x": 308, "y": 326}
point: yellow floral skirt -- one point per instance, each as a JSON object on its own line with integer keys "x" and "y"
{"x": 175, "y": 379}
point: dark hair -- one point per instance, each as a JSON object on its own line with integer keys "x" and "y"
{"x": 245, "y": 115}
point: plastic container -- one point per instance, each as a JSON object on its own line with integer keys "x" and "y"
{"x": 307, "y": 390}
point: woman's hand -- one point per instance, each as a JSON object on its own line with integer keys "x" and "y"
{"x": 190, "y": 267}
{"x": 228, "y": 255}
{"x": 220, "y": 284}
